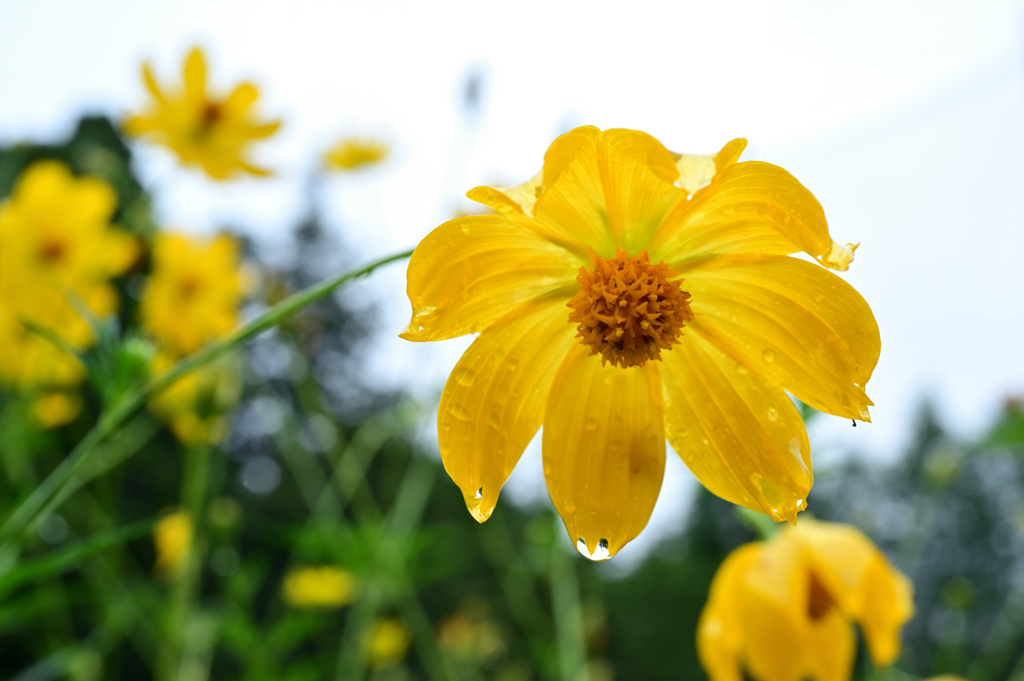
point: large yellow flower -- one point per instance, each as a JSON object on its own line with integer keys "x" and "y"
{"x": 57, "y": 250}
{"x": 204, "y": 129}
{"x": 193, "y": 295}
{"x": 784, "y": 609}
{"x": 674, "y": 258}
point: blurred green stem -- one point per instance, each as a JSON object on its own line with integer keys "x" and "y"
{"x": 32, "y": 509}
{"x": 186, "y": 584}
{"x": 565, "y": 597}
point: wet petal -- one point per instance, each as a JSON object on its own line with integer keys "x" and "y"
{"x": 604, "y": 449}
{"x": 569, "y": 206}
{"x": 741, "y": 437}
{"x": 494, "y": 400}
{"x": 473, "y": 270}
{"x": 829, "y": 648}
{"x": 637, "y": 173}
{"x": 793, "y": 322}
{"x": 750, "y": 207}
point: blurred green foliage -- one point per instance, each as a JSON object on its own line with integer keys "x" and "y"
{"x": 320, "y": 469}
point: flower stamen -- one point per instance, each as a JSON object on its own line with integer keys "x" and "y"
{"x": 627, "y": 310}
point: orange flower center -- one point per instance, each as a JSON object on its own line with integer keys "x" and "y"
{"x": 627, "y": 309}
{"x": 819, "y": 600}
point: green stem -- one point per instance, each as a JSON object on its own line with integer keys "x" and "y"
{"x": 565, "y": 597}
{"x": 113, "y": 419}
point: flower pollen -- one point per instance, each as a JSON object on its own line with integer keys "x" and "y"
{"x": 627, "y": 309}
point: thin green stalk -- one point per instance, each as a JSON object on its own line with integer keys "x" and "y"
{"x": 120, "y": 412}
{"x": 565, "y": 597}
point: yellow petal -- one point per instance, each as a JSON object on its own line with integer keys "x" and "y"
{"x": 741, "y": 437}
{"x": 888, "y": 605}
{"x": 568, "y": 208}
{"x": 719, "y": 630}
{"x": 195, "y": 73}
{"x": 494, "y": 400}
{"x": 604, "y": 450}
{"x": 151, "y": 84}
{"x": 774, "y": 629}
{"x": 241, "y": 98}
{"x": 829, "y": 648}
{"x": 473, "y": 270}
{"x": 697, "y": 171}
{"x": 750, "y": 207}
{"x": 637, "y": 173}
{"x": 793, "y": 322}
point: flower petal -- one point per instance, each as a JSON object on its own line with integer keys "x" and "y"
{"x": 637, "y": 173}
{"x": 774, "y": 629}
{"x": 750, "y": 207}
{"x": 719, "y": 630}
{"x": 697, "y": 171}
{"x": 494, "y": 400}
{"x": 829, "y": 648}
{"x": 793, "y": 322}
{"x": 195, "y": 74}
{"x": 888, "y": 605}
{"x": 470, "y": 271}
{"x": 604, "y": 449}
{"x": 151, "y": 83}
{"x": 568, "y": 208}
{"x": 741, "y": 437}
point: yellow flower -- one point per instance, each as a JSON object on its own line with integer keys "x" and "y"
{"x": 203, "y": 129}
{"x": 659, "y": 256}
{"x": 172, "y": 538}
{"x": 56, "y": 246}
{"x": 193, "y": 295}
{"x": 784, "y": 609}
{"x": 54, "y": 409}
{"x": 386, "y": 642}
{"x": 195, "y": 406}
{"x": 318, "y": 587}
{"x": 353, "y": 153}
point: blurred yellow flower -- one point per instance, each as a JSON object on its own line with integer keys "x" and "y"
{"x": 203, "y": 129}
{"x": 784, "y": 609}
{"x": 353, "y": 153}
{"x": 609, "y": 227}
{"x": 196, "y": 406}
{"x": 193, "y": 295}
{"x": 57, "y": 249}
{"x": 54, "y": 409}
{"x": 386, "y": 643}
{"x": 325, "y": 587}
{"x": 172, "y": 538}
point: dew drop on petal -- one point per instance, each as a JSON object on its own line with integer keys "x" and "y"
{"x": 479, "y": 493}
{"x": 773, "y": 414}
{"x": 599, "y": 554}
{"x": 569, "y": 505}
{"x": 464, "y": 377}
{"x": 512, "y": 365}
{"x": 768, "y": 356}
{"x": 458, "y": 413}
{"x": 591, "y": 424}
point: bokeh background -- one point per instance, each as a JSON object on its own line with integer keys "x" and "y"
{"x": 906, "y": 120}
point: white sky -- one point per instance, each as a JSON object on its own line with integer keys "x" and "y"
{"x": 906, "y": 119}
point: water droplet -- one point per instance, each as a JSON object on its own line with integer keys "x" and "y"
{"x": 799, "y": 503}
{"x": 512, "y": 365}
{"x": 729, "y": 210}
{"x": 775, "y": 515}
{"x": 547, "y": 469}
{"x": 742, "y": 370}
{"x": 479, "y": 493}
{"x": 768, "y": 356}
{"x": 591, "y": 424}
{"x": 773, "y": 414}
{"x": 569, "y": 505}
{"x": 818, "y": 297}
{"x": 467, "y": 228}
{"x": 599, "y": 554}
{"x": 459, "y": 413}
{"x": 463, "y": 376}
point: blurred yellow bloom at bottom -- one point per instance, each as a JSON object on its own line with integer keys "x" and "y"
{"x": 318, "y": 587}
{"x": 386, "y": 643}
{"x": 172, "y": 537}
{"x": 56, "y": 409}
{"x": 784, "y": 609}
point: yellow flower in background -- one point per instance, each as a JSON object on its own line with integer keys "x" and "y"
{"x": 194, "y": 293}
{"x": 54, "y": 409}
{"x": 784, "y": 609}
{"x": 619, "y": 252}
{"x": 386, "y": 643}
{"x": 57, "y": 249}
{"x": 202, "y": 128}
{"x": 353, "y": 153}
{"x": 172, "y": 539}
{"x": 196, "y": 407}
{"x": 325, "y": 587}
